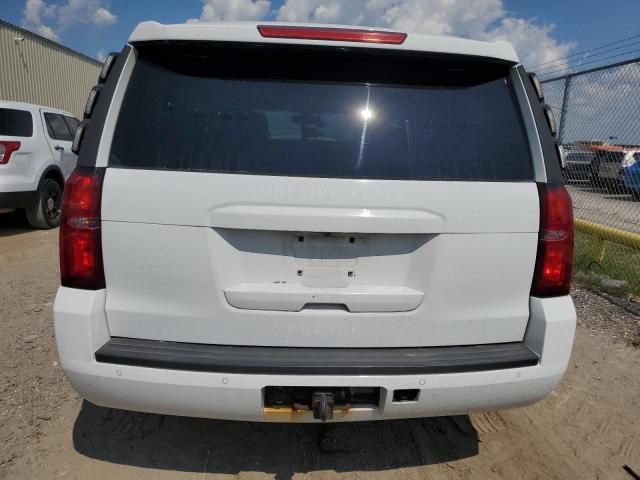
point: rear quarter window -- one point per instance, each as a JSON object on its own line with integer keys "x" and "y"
{"x": 72, "y": 123}
{"x": 15, "y": 123}
{"x": 57, "y": 128}
{"x": 433, "y": 119}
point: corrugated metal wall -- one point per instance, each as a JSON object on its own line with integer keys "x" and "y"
{"x": 36, "y": 70}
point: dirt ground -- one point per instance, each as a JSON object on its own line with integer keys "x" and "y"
{"x": 589, "y": 428}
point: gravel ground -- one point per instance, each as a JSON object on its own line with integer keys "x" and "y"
{"x": 598, "y": 314}
{"x": 587, "y": 428}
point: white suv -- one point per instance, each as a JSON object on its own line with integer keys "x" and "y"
{"x": 308, "y": 223}
{"x": 35, "y": 160}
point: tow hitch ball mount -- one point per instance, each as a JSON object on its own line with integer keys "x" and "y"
{"x": 321, "y": 401}
{"x": 322, "y": 404}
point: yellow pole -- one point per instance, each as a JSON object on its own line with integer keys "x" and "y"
{"x": 611, "y": 234}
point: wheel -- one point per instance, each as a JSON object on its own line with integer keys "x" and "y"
{"x": 45, "y": 212}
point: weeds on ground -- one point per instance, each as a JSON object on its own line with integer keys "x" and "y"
{"x": 618, "y": 273}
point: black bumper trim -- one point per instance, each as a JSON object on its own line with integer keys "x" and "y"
{"x": 17, "y": 199}
{"x": 314, "y": 361}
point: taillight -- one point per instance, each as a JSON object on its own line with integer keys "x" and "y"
{"x": 332, "y": 34}
{"x": 80, "y": 236}
{"x": 6, "y": 149}
{"x": 552, "y": 276}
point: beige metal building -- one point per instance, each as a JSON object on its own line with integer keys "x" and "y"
{"x": 34, "y": 69}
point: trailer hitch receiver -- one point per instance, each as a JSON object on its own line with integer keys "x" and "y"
{"x": 322, "y": 404}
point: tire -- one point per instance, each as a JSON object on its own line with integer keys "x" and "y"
{"x": 45, "y": 212}
{"x": 635, "y": 193}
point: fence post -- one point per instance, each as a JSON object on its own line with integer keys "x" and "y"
{"x": 563, "y": 108}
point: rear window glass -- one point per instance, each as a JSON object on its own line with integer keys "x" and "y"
{"x": 15, "y": 123}
{"x": 357, "y": 116}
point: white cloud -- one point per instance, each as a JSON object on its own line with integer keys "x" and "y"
{"x": 34, "y": 10}
{"x": 480, "y": 19}
{"x": 102, "y": 16}
{"x": 51, "y": 19}
{"x": 533, "y": 43}
{"x": 101, "y": 56}
{"x": 47, "y": 32}
{"x": 220, "y": 10}
{"x": 436, "y": 17}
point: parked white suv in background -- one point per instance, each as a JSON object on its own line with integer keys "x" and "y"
{"x": 308, "y": 223}
{"x": 35, "y": 160}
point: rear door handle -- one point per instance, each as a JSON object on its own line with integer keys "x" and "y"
{"x": 60, "y": 148}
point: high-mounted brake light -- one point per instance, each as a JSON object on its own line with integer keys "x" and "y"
{"x": 80, "y": 235}
{"x": 332, "y": 34}
{"x": 6, "y": 149}
{"x": 554, "y": 262}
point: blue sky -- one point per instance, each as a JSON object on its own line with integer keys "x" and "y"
{"x": 579, "y": 24}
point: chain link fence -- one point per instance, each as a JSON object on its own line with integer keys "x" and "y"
{"x": 598, "y": 113}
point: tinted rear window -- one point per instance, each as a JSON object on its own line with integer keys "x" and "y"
{"x": 15, "y": 123}
{"x": 57, "y": 128}
{"x": 306, "y": 113}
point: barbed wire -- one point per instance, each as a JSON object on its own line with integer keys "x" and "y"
{"x": 540, "y": 71}
{"x": 569, "y": 70}
{"x": 584, "y": 51}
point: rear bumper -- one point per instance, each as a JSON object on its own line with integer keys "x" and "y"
{"x": 17, "y": 199}
{"x": 314, "y": 361}
{"x": 81, "y": 331}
